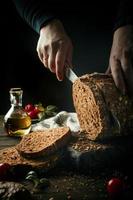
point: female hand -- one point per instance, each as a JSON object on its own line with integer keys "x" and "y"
{"x": 55, "y": 48}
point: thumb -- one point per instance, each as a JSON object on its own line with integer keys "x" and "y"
{"x": 108, "y": 70}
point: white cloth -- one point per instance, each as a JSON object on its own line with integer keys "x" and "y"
{"x": 63, "y": 118}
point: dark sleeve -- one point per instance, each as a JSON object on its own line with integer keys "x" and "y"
{"x": 125, "y": 14}
{"x": 35, "y": 12}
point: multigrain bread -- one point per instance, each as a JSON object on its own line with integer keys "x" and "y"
{"x": 11, "y": 156}
{"x": 43, "y": 143}
{"x": 102, "y": 110}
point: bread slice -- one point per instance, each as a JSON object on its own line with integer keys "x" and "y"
{"x": 44, "y": 143}
{"x": 11, "y": 156}
{"x": 102, "y": 111}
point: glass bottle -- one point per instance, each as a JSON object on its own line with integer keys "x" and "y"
{"x": 16, "y": 121}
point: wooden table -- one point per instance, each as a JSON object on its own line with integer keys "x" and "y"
{"x": 66, "y": 185}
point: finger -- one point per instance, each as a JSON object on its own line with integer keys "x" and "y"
{"x": 45, "y": 60}
{"x": 68, "y": 61}
{"x": 118, "y": 76}
{"x": 51, "y": 61}
{"x": 69, "y": 56}
{"x": 127, "y": 68}
{"x": 108, "y": 71}
{"x": 45, "y": 56}
{"x": 40, "y": 55}
{"x": 60, "y": 62}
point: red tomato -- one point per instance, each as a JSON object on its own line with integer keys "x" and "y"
{"x": 29, "y": 107}
{"x": 33, "y": 113}
{"x": 115, "y": 186}
{"x": 4, "y": 169}
{"x": 36, "y": 109}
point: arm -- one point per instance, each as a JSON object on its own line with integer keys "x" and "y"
{"x": 121, "y": 56}
{"x": 34, "y": 12}
{"x": 125, "y": 14}
{"x": 54, "y": 46}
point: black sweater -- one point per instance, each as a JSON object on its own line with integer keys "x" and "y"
{"x": 38, "y": 13}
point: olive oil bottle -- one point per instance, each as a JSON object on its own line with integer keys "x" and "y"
{"x": 16, "y": 121}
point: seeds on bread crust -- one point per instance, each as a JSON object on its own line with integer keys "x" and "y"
{"x": 11, "y": 156}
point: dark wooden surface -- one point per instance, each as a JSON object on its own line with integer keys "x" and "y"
{"x": 66, "y": 184}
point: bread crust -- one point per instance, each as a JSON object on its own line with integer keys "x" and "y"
{"x": 95, "y": 96}
{"x": 43, "y": 143}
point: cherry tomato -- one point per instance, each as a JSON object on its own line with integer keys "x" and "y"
{"x": 29, "y": 107}
{"x": 33, "y": 113}
{"x": 115, "y": 186}
{"x": 36, "y": 109}
{"x": 40, "y": 107}
{"x": 4, "y": 169}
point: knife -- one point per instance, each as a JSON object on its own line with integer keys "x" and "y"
{"x": 70, "y": 74}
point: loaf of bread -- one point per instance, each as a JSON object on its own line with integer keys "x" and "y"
{"x": 43, "y": 143}
{"x": 103, "y": 112}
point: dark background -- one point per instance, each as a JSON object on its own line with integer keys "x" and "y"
{"x": 89, "y": 26}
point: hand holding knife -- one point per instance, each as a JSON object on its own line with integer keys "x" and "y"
{"x": 70, "y": 74}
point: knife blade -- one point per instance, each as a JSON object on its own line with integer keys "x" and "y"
{"x": 70, "y": 74}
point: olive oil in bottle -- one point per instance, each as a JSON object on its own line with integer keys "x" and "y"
{"x": 16, "y": 121}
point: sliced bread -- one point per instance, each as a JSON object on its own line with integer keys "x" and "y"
{"x": 43, "y": 143}
{"x": 11, "y": 156}
{"x": 102, "y": 110}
